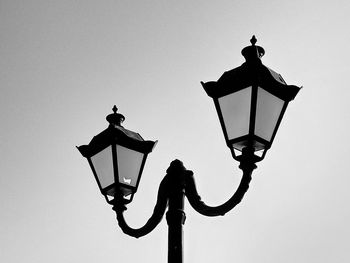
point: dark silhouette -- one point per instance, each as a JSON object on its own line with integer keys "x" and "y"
{"x": 177, "y": 183}
{"x": 254, "y": 82}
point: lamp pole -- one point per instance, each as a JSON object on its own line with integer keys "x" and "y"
{"x": 176, "y": 215}
{"x": 250, "y": 101}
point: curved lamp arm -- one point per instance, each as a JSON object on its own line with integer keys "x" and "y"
{"x": 247, "y": 165}
{"x": 153, "y": 221}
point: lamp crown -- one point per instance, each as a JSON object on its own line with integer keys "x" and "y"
{"x": 115, "y": 119}
{"x": 253, "y": 52}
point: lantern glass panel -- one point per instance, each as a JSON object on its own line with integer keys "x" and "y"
{"x": 235, "y": 109}
{"x": 268, "y": 110}
{"x": 129, "y": 165}
{"x": 103, "y": 165}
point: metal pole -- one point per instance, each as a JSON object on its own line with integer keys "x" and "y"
{"x": 175, "y": 218}
{"x": 176, "y": 215}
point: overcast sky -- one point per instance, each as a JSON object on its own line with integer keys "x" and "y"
{"x": 63, "y": 66}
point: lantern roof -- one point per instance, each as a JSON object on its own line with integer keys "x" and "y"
{"x": 116, "y": 134}
{"x": 251, "y": 73}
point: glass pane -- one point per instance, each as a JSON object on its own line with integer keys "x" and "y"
{"x": 235, "y": 109}
{"x": 103, "y": 164}
{"x": 129, "y": 164}
{"x": 268, "y": 109}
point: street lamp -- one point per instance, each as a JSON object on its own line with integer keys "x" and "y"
{"x": 250, "y": 101}
{"x": 117, "y": 157}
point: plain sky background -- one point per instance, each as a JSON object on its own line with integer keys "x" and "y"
{"x": 64, "y": 64}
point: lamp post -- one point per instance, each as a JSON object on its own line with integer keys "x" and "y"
{"x": 250, "y": 101}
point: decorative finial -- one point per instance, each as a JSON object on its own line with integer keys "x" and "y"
{"x": 253, "y": 40}
{"x": 115, "y": 109}
{"x": 253, "y": 52}
{"x": 115, "y": 119}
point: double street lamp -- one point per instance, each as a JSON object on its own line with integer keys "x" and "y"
{"x": 250, "y": 101}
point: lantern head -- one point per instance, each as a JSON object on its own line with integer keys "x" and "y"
{"x": 250, "y": 101}
{"x": 117, "y": 157}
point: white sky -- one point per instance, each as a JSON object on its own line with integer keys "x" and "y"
{"x": 64, "y": 64}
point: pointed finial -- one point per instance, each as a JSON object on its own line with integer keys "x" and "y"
{"x": 253, "y": 40}
{"x": 115, "y": 109}
{"x": 115, "y": 119}
{"x": 253, "y": 52}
